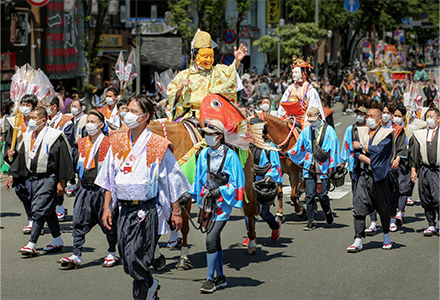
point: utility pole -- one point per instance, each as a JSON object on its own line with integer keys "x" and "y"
{"x": 138, "y": 52}
{"x": 317, "y": 23}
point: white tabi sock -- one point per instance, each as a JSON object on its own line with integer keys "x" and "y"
{"x": 31, "y": 245}
{"x": 58, "y": 241}
{"x": 31, "y": 223}
{"x": 432, "y": 228}
{"x": 157, "y": 252}
{"x": 401, "y": 214}
{"x": 184, "y": 252}
{"x": 357, "y": 242}
{"x": 386, "y": 238}
{"x": 77, "y": 259}
{"x": 393, "y": 221}
{"x": 111, "y": 255}
{"x": 174, "y": 235}
{"x": 60, "y": 209}
{"x": 373, "y": 225}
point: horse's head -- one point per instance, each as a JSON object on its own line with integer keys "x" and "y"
{"x": 222, "y": 108}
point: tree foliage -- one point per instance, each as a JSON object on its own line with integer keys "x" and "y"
{"x": 292, "y": 39}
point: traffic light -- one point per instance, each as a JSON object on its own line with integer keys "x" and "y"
{"x": 19, "y": 28}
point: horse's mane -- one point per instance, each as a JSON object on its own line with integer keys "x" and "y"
{"x": 275, "y": 119}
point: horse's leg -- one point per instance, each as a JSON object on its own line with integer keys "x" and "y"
{"x": 184, "y": 263}
{"x": 294, "y": 180}
{"x": 280, "y": 214}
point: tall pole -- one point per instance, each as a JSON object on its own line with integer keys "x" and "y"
{"x": 279, "y": 54}
{"x": 138, "y": 52}
{"x": 317, "y": 23}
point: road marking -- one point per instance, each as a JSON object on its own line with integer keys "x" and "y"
{"x": 338, "y": 193}
{"x": 337, "y": 124}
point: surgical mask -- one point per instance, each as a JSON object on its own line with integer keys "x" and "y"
{"x": 211, "y": 140}
{"x": 265, "y": 107}
{"x": 397, "y": 121}
{"x": 316, "y": 123}
{"x": 371, "y": 123}
{"x": 92, "y": 129}
{"x": 109, "y": 101}
{"x": 49, "y": 111}
{"x": 25, "y": 110}
{"x": 430, "y": 122}
{"x": 360, "y": 118}
{"x": 386, "y": 118}
{"x": 33, "y": 125}
{"x": 122, "y": 114}
{"x": 131, "y": 120}
{"x": 75, "y": 111}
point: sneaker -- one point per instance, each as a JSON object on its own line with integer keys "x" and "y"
{"x": 220, "y": 281}
{"x": 159, "y": 263}
{"x": 152, "y": 291}
{"x": 310, "y": 226}
{"x": 329, "y": 218}
{"x": 276, "y": 233}
{"x": 409, "y": 201}
{"x": 207, "y": 287}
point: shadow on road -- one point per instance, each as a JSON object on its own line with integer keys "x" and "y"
{"x": 9, "y": 214}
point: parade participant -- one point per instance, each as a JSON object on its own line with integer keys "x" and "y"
{"x": 64, "y": 123}
{"x": 396, "y": 93}
{"x": 140, "y": 172}
{"x": 187, "y": 90}
{"x": 300, "y": 95}
{"x": 386, "y": 116}
{"x": 351, "y": 134}
{"x": 218, "y": 187}
{"x": 110, "y": 109}
{"x": 430, "y": 91}
{"x": 44, "y": 157}
{"x": 22, "y": 188}
{"x": 89, "y": 200}
{"x": 79, "y": 122}
{"x": 420, "y": 73}
{"x": 425, "y": 165}
{"x": 267, "y": 166}
{"x": 317, "y": 150}
{"x": 374, "y": 154}
{"x": 122, "y": 111}
{"x": 265, "y": 106}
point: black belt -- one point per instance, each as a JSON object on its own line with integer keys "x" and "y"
{"x": 134, "y": 202}
{"x": 432, "y": 168}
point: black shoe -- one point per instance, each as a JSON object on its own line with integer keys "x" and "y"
{"x": 329, "y": 218}
{"x": 310, "y": 226}
{"x": 220, "y": 281}
{"x": 208, "y": 286}
{"x": 159, "y": 264}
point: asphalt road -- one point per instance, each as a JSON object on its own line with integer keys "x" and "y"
{"x": 301, "y": 265}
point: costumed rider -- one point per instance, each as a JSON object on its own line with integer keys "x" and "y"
{"x": 317, "y": 150}
{"x": 141, "y": 173}
{"x": 299, "y": 96}
{"x": 23, "y": 186}
{"x": 267, "y": 176}
{"x": 218, "y": 187}
{"x": 187, "y": 90}
{"x": 374, "y": 154}
{"x": 44, "y": 158}
{"x": 89, "y": 200}
{"x": 425, "y": 165}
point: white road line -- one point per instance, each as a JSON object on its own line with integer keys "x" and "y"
{"x": 337, "y": 124}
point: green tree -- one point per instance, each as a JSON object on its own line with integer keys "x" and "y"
{"x": 292, "y": 39}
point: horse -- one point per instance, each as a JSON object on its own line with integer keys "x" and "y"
{"x": 285, "y": 137}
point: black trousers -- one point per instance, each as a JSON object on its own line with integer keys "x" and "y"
{"x": 370, "y": 196}
{"x": 138, "y": 236}
{"x": 429, "y": 192}
{"x": 87, "y": 212}
{"x": 213, "y": 241}
{"x": 43, "y": 192}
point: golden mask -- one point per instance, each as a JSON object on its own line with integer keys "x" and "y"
{"x": 205, "y": 58}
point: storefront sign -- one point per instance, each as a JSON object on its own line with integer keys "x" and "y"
{"x": 111, "y": 41}
{"x": 8, "y": 60}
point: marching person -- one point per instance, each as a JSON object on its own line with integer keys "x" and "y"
{"x": 110, "y": 110}
{"x": 374, "y": 155}
{"x": 317, "y": 150}
{"x": 425, "y": 165}
{"x": 44, "y": 157}
{"x": 218, "y": 187}
{"x": 267, "y": 166}
{"x": 89, "y": 200}
{"x": 122, "y": 111}
{"x": 140, "y": 172}
{"x": 23, "y": 186}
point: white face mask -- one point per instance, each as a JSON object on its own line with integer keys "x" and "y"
{"x": 211, "y": 140}
{"x": 360, "y": 118}
{"x": 386, "y": 118}
{"x": 25, "y": 110}
{"x": 430, "y": 122}
{"x": 265, "y": 107}
{"x": 316, "y": 123}
{"x": 33, "y": 124}
{"x": 123, "y": 113}
{"x": 296, "y": 74}
{"x": 109, "y": 100}
{"x": 75, "y": 111}
{"x": 131, "y": 120}
{"x": 371, "y": 123}
{"x": 49, "y": 111}
{"x": 397, "y": 121}
{"x": 92, "y": 129}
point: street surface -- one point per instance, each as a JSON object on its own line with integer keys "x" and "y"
{"x": 301, "y": 265}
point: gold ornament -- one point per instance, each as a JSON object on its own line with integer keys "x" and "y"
{"x": 202, "y": 40}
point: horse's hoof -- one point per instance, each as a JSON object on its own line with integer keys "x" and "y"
{"x": 184, "y": 264}
{"x": 303, "y": 214}
{"x": 280, "y": 217}
{"x": 251, "y": 250}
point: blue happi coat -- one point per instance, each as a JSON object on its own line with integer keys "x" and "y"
{"x": 302, "y": 152}
{"x": 347, "y": 151}
{"x": 275, "y": 169}
{"x": 232, "y": 194}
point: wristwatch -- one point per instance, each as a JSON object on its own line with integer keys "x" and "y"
{"x": 361, "y": 146}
